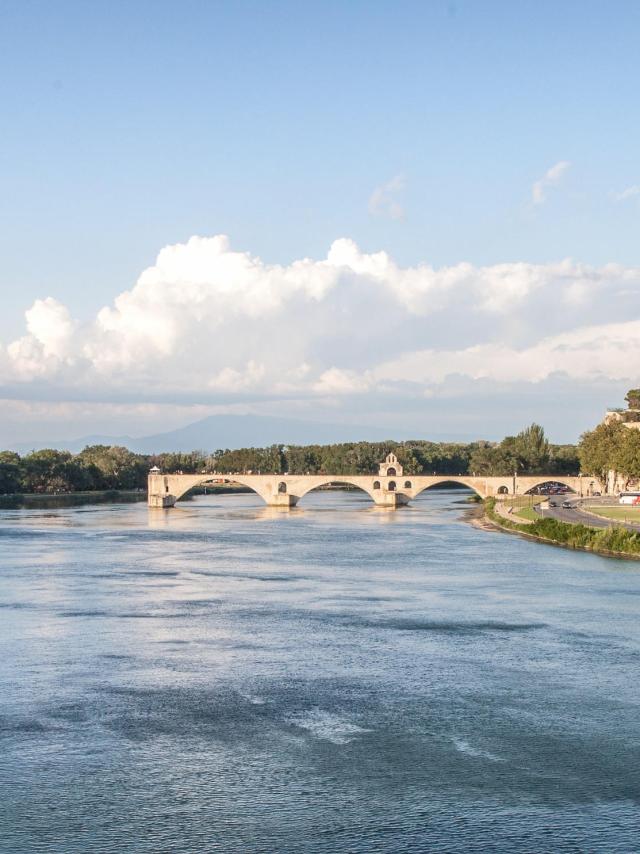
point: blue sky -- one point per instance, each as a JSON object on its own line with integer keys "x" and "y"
{"x": 417, "y": 129}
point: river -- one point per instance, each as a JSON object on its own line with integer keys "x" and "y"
{"x": 223, "y": 677}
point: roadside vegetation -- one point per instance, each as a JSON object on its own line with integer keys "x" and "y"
{"x": 614, "y": 540}
{"x": 102, "y": 467}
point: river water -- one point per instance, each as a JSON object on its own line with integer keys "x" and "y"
{"x": 340, "y": 678}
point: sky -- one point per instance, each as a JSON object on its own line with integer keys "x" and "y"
{"x": 423, "y": 215}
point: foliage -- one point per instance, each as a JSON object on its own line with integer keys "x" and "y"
{"x": 532, "y": 448}
{"x": 10, "y": 472}
{"x": 630, "y": 416}
{"x": 633, "y": 398}
{"x": 49, "y": 470}
{"x": 527, "y": 453}
{"x": 626, "y": 457}
{"x": 611, "y": 447}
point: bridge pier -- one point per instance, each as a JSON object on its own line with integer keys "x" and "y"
{"x": 390, "y": 499}
{"x": 161, "y": 500}
{"x": 282, "y": 499}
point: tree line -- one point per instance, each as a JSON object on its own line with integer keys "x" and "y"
{"x": 103, "y": 467}
{"x": 614, "y": 448}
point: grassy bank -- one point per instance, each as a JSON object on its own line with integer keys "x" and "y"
{"x": 615, "y": 541}
{"x": 522, "y": 506}
{"x": 620, "y": 513}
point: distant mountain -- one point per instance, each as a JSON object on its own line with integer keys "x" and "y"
{"x": 229, "y": 431}
{"x": 73, "y": 445}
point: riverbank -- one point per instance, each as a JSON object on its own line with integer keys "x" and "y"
{"x": 613, "y": 541}
{"x": 35, "y": 500}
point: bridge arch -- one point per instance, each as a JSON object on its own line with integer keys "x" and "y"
{"x": 458, "y": 481}
{"x": 551, "y": 481}
{"x": 341, "y": 481}
{"x": 216, "y": 480}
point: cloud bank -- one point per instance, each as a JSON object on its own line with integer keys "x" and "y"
{"x": 206, "y": 320}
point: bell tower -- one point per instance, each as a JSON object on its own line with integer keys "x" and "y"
{"x": 390, "y": 467}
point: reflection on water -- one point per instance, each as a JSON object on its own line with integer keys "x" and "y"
{"x": 228, "y": 677}
{"x": 47, "y": 501}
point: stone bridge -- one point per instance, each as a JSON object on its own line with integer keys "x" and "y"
{"x": 389, "y": 488}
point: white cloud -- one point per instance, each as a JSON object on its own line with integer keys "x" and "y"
{"x": 383, "y": 201}
{"x": 206, "y": 323}
{"x": 49, "y": 340}
{"x": 339, "y": 381}
{"x": 230, "y": 380}
{"x": 606, "y": 351}
{"x": 550, "y": 179}
{"x": 629, "y": 193}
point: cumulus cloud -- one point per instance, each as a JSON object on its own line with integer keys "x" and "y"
{"x": 208, "y": 323}
{"x": 550, "y": 179}
{"x": 339, "y": 381}
{"x": 384, "y": 202}
{"x": 48, "y": 343}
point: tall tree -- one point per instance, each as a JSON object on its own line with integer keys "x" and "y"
{"x": 532, "y": 449}
{"x": 598, "y": 448}
{"x": 626, "y": 455}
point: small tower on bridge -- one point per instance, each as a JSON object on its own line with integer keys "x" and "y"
{"x": 390, "y": 467}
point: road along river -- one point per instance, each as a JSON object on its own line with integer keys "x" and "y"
{"x": 578, "y": 513}
{"x": 225, "y": 677}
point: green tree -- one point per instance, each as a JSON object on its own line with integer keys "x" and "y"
{"x": 10, "y": 472}
{"x": 187, "y": 463}
{"x": 563, "y": 459}
{"x": 491, "y": 459}
{"x": 633, "y": 398}
{"x": 626, "y": 454}
{"x": 114, "y": 467}
{"x": 49, "y": 470}
{"x": 598, "y": 448}
{"x": 532, "y": 449}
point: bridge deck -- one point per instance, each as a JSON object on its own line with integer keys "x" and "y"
{"x": 388, "y": 490}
